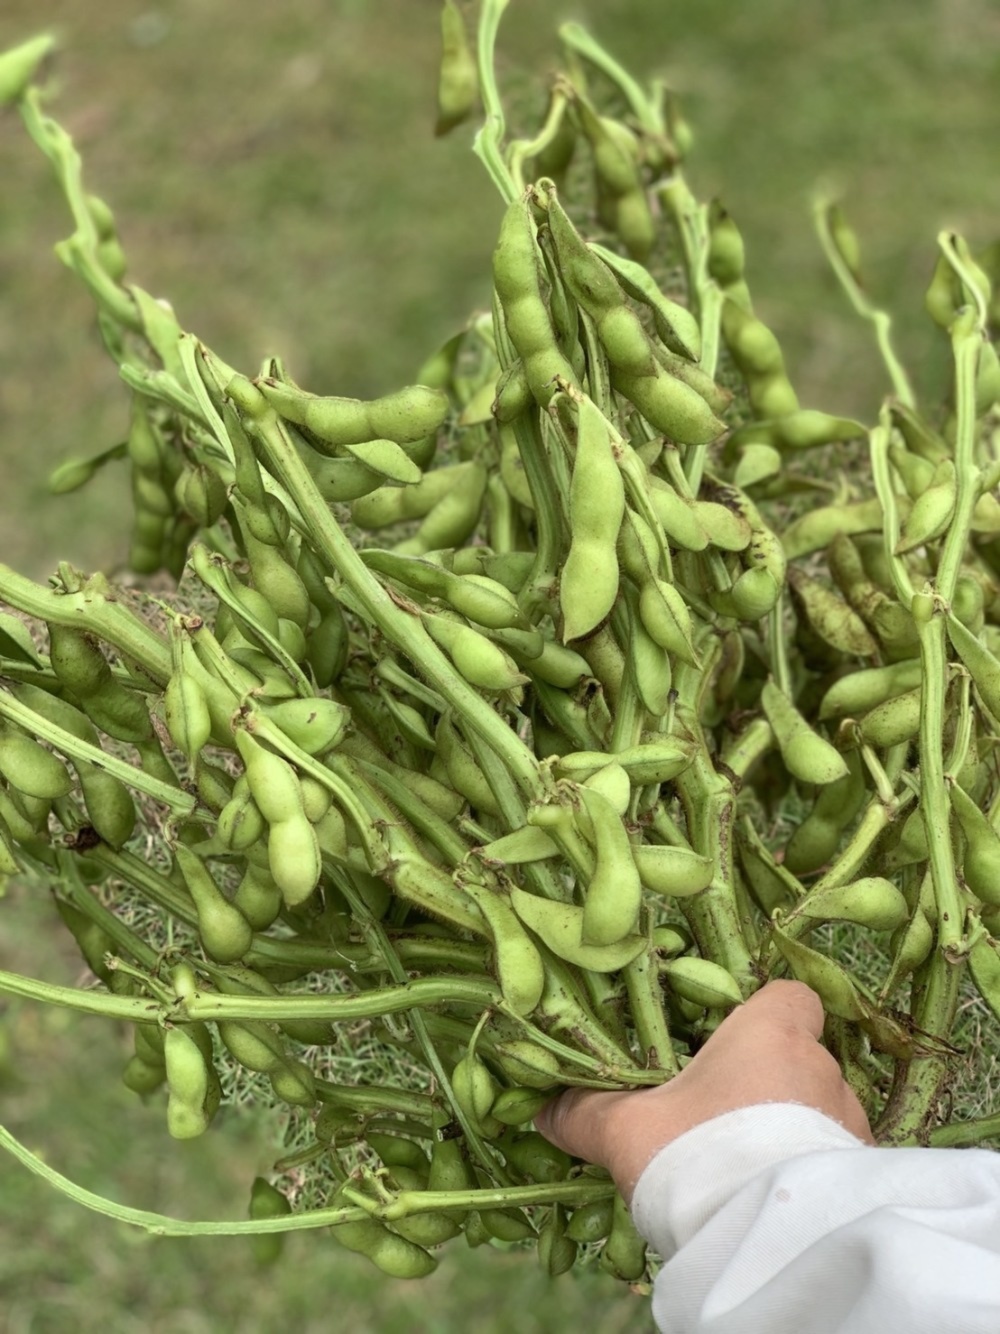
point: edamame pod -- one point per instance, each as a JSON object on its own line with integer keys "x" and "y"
{"x": 518, "y": 1106}
{"x": 560, "y": 927}
{"x": 225, "y": 933}
{"x": 31, "y": 769}
{"x": 518, "y": 963}
{"x": 405, "y": 416}
{"x": 807, "y": 756}
{"x": 266, "y": 1201}
{"x": 624, "y": 1252}
{"x": 193, "y": 1089}
{"x": 614, "y": 892}
{"x": 458, "y": 83}
{"x": 873, "y": 902}
{"x": 833, "y": 984}
{"x": 294, "y": 858}
{"x": 588, "y": 583}
{"x": 981, "y": 862}
{"x": 475, "y": 1090}
{"x": 388, "y": 1251}
{"x": 981, "y": 664}
{"x": 701, "y": 982}
{"x": 861, "y": 691}
{"x": 481, "y": 662}
{"x": 677, "y": 872}
{"x": 895, "y": 721}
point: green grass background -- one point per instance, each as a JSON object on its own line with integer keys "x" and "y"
{"x": 274, "y": 174}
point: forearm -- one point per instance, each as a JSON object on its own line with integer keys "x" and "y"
{"x": 775, "y": 1219}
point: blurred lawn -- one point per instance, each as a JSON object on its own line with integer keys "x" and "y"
{"x": 274, "y": 173}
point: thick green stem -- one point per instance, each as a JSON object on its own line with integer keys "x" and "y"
{"x": 917, "y": 1082}
{"x": 95, "y": 607}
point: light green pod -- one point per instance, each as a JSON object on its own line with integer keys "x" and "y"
{"x": 273, "y": 782}
{"x": 225, "y": 933}
{"x": 893, "y": 722}
{"x": 481, "y": 662}
{"x": 613, "y": 894}
{"x": 873, "y": 902}
{"x": 807, "y": 756}
{"x": 680, "y": 519}
{"x": 518, "y": 1106}
{"x": 294, "y": 858}
{"x": 861, "y": 691}
{"x": 667, "y": 620}
{"x": 670, "y": 406}
{"x": 186, "y": 713}
{"x": 981, "y": 862}
{"x": 588, "y": 583}
{"x": 560, "y": 927}
{"x": 932, "y": 510}
{"x": 677, "y": 872}
{"x": 20, "y": 65}
{"x": 518, "y": 963}
{"x": 701, "y": 982}
{"x": 453, "y": 519}
{"x": 258, "y": 897}
{"x": 29, "y": 768}
{"x": 833, "y": 984}
{"x": 316, "y": 724}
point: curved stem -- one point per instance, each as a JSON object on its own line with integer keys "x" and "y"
{"x": 163, "y": 1225}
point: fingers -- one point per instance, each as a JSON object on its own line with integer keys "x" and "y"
{"x": 785, "y": 1004}
{"x": 575, "y": 1122}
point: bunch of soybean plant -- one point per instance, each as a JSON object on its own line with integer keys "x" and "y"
{"x": 476, "y": 694}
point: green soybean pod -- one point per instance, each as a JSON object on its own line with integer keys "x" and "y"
{"x": 266, "y": 1201}
{"x": 453, "y": 519}
{"x": 981, "y": 862}
{"x": 591, "y": 1222}
{"x": 481, "y": 662}
{"x": 517, "y": 278}
{"x": 458, "y": 84}
{"x": 193, "y": 1090}
{"x": 624, "y": 1252}
{"x": 893, "y": 722}
{"x": 31, "y": 769}
{"x": 388, "y": 1251}
{"x": 475, "y": 1090}
{"x": 518, "y": 964}
{"x": 670, "y": 406}
{"x": 273, "y": 782}
{"x": 110, "y": 807}
{"x": 294, "y": 858}
{"x": 225, "y": 933}
{"x": 808, "y": 757}
{"x": 614, "y": 892}
{"x": 20, "y": 65}
{"x": 588, "y": 583}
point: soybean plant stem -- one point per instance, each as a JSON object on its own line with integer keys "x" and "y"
{"x": 879, "y": 319}
{"x": 162, "y": 1225}
{"x": 488, "y": 146}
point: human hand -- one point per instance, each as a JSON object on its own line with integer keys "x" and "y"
{"x": 766, "y": 1050}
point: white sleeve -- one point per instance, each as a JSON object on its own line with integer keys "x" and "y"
{"x": 776, "y": 1220}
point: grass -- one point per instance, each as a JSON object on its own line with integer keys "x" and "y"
{"x": 273, "y": 172}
